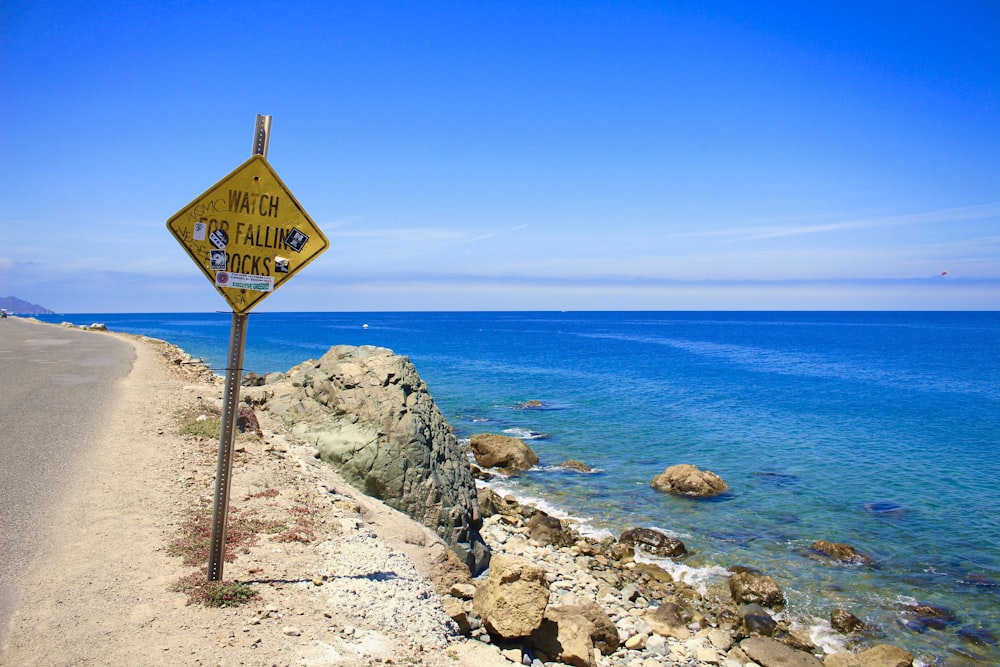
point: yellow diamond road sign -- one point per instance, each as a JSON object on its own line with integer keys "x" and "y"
{"x": 248, "y": 234}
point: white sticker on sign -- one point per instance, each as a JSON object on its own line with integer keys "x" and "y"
{"x": 199, "y": 231}
{"x": 244, "y": 281}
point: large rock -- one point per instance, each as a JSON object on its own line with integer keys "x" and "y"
{"x": 512, "y": 599}
{"x": 754, "y": 620}
{"x": 882, "y": 655}
{"x": 845, "y": 622}
{"x": 569, "y": 640}
{"x": 654, "y": 542}
{"x": 569, "y": 633}
{"x": 502, "y": 451}
{"x": 545, "y": 529}
{"x": 749, "y": 587}
{"x": 668, "y": 620}
{"x": 687, "y": 480}
{"x": 843, "y": 553}
{"x": 370, "y": 415}
{"x": 770, "y": 653}
{"x": 920, "y": 617}
{"x": 885, "y": 655}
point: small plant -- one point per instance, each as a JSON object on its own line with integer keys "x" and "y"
{"x": 266, "y": 493}
{"x": 195, "y": 539}
{"x": 213, "y": 593}
{"x": 302, "y": 531}
{"x": 297, "y": 533}
{"x": 208, "y": 428}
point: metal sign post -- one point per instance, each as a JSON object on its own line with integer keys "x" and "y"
{"x": 230, "y": 402}
{"x": 248, "y": 235}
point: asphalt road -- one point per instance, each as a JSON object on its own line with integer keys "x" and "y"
{"x": 58, "y": 390}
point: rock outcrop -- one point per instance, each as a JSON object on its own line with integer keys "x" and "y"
{"x": 687, "y": 480}
{"x": 370, "y": 415}
{"x": 502, "y": 451}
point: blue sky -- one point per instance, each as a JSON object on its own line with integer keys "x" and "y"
{"x": 508, "y": 155}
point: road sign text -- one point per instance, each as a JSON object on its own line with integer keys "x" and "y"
{"x": 246, "y": 202}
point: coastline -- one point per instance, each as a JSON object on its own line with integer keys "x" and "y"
{"x": 101, "y": 588}
{"x": 313, "y": 485}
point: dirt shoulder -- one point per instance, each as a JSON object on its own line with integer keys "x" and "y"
{"x": 339, "y": 578}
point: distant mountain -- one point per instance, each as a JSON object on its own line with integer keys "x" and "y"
{"x": 16, "y": 306}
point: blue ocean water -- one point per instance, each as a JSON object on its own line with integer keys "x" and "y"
{"x": 880, "y": 430}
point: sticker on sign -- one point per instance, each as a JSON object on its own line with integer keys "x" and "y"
{"x": 244, "y": 281}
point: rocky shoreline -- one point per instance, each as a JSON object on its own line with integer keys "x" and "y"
{"x": 348, "y": 580}
{"x": 369, "y": 415}
{"x": 623, "y": 610}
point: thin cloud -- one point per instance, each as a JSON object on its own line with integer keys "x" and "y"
{"x": 965, "y": 213}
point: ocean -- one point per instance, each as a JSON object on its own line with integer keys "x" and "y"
{"x": 876, "y": 429}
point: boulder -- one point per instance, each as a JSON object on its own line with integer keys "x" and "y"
{"x": 573, "y": 464}
{"x": 920, "y": 617}
{"x": 885, "y": 655}
{"x": 652, "y": 572}
{"x": 512, "y": 599}
{"x": 274, "y": 377}
{"x": 687, "y": 480}
{"x": 654, "y": 542}
{"x": 843, "y": 553}
{"x": 567, "y": 640}
{"x": 455, "y": 609}
{"x": 749, "y": 587}
{"x": 370, "y": 415}
{"x": 251, "y": 379}
{"x": 845, "y": 622}
{"x": 571, "y": 632}
{"x": 841, "y": 659}
{"x": 755, "y": 620}
{"x": 770, "y": 653}
{"x": 667, "y": 620}
{"x": 246, "y": 421}
{"x": 502, "y": 451}
{"x": 489, "y": 502}
{"x": 545, "y": 529}
{"x": 447, "y": 570}
{"x": 604, "y": 633}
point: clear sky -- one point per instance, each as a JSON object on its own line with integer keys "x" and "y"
{"x": 513, "y": 155}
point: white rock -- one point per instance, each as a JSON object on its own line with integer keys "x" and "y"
{"x": 657, "y": 645}
{"x": 720, "y": 639}
{"x": 512, "y": 654}
{"x": 707, "y": 655}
